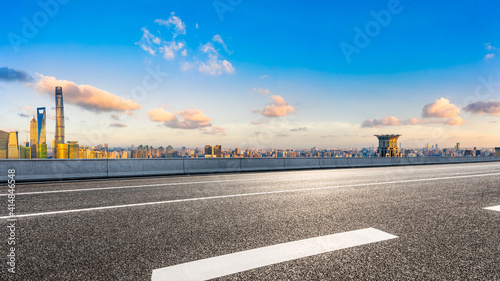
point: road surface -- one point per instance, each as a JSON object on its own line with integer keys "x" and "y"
{"x": 435, "y": 222}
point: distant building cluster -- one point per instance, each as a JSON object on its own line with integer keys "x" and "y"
{"x": 36, "y": 147}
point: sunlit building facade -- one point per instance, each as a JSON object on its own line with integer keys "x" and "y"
{"x": 218, "y": 151}
{"x": 73, "y": 150}
{"x": 62, "y": 151}
{"x": 33, "y": 137}
{"x": 59, "y": 136}
{"x": 4, "y": 144}
{"x": 209, "y": 152}
{"x": 41, "y": 149}
{"x": 13, "y": 146}
{"x": 388, "y": 145}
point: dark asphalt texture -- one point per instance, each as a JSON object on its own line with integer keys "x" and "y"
{"x": 444, "y": 232}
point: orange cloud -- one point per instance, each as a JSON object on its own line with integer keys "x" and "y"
{"x": 384, "y": 121}
{"x": 455, "y": 121}
{"x": 192, "y": 119}
{"x": 441, "y": 108}
{"x": 85, "y": 96}
{"x": 278, "y": 108}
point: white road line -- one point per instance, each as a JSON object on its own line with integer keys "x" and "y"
{"x": 494, "y": 208}
{"x": 239, "y": 195}
{"x": 117, "y": 187}
{"x": 242, "y": 261}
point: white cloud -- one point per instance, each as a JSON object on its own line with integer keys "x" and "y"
{"x": 265, "y": 77}
{"x": 153, "y": 44}
{"x": 489, "y": 56}
{"x": 179, "y": 26}
{"x": 147, "y": 41}
{"x": 214, "y": 65}
{"x": 219, "y": 40}
{"x": 170, "y": 49}
{"x": 489, "y": 47}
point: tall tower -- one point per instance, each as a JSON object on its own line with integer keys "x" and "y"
{"x": 33, "y": 137}
{"x": 59, "y": 115}
{"x": 42, "y": 121}
{"x": 388, "y": 145}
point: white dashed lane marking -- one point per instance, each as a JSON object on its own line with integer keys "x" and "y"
{"x": 246, "y": 260}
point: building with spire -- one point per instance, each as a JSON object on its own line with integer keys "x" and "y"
{"x": 59, "y": 136}
{"x": 41, "y": 146}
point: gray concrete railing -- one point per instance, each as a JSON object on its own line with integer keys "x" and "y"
{"x": 64, "y": 169}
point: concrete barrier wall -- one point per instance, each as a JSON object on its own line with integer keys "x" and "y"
{"x": 146, "y": 167}
{"x": 262, "y": 164}
{"x": 212, "y": 165}
{"x": 301, "y": 163}
{"x": 49, "y": 169}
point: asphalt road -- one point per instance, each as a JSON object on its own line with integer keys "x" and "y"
{"x": 124, "y": 229}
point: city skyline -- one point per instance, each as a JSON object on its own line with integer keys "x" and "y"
{"x": 188, "y": 76}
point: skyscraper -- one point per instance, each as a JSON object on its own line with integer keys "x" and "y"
{"x": 13, "y": 151}
{"x": 217, "y": 151}
{"x": 209, "y": 152}
{"x": 59, "y": 115}
{"x": 42, "y": 120}
{"x": 33, "y": 137}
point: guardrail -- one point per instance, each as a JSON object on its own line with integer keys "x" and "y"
{"x": 65, "y": 169}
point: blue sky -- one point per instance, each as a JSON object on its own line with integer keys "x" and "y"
{"x": 254, "y": 73}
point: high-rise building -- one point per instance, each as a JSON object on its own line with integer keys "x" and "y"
{"x": 13, "y": 146}
{"x": 388, "y": 145}
{"x": 41, "y": 150}
{"x": 218, "y": 151}
{"x": 59, "y": 115}
{"x": 209, "y": 152}
{"x": 73, "y": 150}
{"x": 169, "y": 151}
{"x": 33, "y": 137}
{"x": 42, "y": 121}
{"x": 62, "y": 151}
{"x": 458, "y": 146}
{"x": 4, "y": 142}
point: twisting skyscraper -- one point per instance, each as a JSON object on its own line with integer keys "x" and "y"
{"x": 59, "y": 116}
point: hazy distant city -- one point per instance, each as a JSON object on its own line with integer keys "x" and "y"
{"x": 37, "y": 148}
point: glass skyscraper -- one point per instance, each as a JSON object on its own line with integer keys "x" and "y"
{"x": 42, "y": 120}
